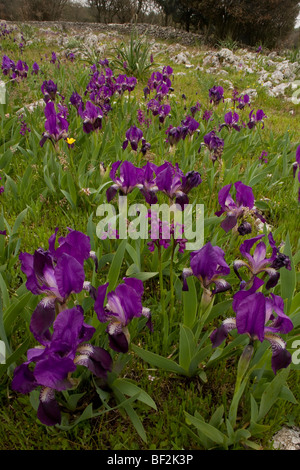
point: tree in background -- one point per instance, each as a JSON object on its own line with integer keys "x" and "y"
{"x": 168, "y": 7}
{"x": 246, "y": 21}
{"x": 39, "y": 10}
{"x": 10, "y": 9}
{"x": 103, "y": 10}
{"x": 118, "y": 11}
{"x": 250, "y": 21}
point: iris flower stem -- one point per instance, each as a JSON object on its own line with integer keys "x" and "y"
{"x": 212, "y": 201}
{"x": 243, "y": 365}
{"x": 172, "y": 283}
{"x": 242, "y": 378}
{"x": 162, "y": 300}
{"x": 232, "y": 242}
{"x": 204, "y": 310}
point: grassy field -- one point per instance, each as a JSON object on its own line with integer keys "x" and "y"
{"x": 172, "y": 389}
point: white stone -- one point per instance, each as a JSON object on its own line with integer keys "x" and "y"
{"x": 279, "y": 89}
{"x": 31, "y": 106}
{"x": 251, "y": 92}
{"x": 181, "y": 58}
{"x": 287, "y": 439}
{"x": 277, "y": 76}
{"x": 268, "y": 84}
{"x": 227, "y": 55}
{"x": 211, "y": 60}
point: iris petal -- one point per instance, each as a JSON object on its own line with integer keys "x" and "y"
{"x": 48, "y": 410}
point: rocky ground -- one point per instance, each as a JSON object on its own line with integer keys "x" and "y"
{"x": 272, "y": 70}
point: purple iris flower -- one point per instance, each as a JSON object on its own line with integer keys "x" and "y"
{"x": 172, "y": 181}
{"x": 104, "y": 62}
{"x": 35, "y": 69}
{"x": 160, "y": 82}
{"x": 92, "y": 118}
{"x": 123, "y": 304}
{"x": 255, "y": 317}
{"x": 56, "y": 272}
{"x": 279, "y": 259}
{"x": 49, "y": 90}
{"x": 230, "y": 121}
{"x": 133, "y": 135}
{"x": 216, "y": 94}
{"x": 131, "y": 83}
{"x": 234, "y": 210}
{"x": 8, "y": 65}
{"x": 20, "y": 70}
{"x": 77, "y": 101}
{"x": 129, "y": 178}
{"x": 190, "y": 124}
{"x": 209, "y": 266}
{"x": 214, "y": 144}
{"x": 101, "y": 88}
{"x": 243, "y": 101}
{"x": 244, "y": 228}
{"x": 124, "y": 83}
{"x": 256, "y": 118}
{"x": 258, "y": 263}
{"x": 146, "y": 91}
{"x": 53, "y": 58}
{"x": 190, "y": 180}
{"x": 194, "y": 109}
{"x": 149, "y": 187}
{"x": 145, "y": 147}
{"x": 71, "y": 56}
{"x": 174, "y": 135}
{"x": 63, "y": 110}
{"x": 56, "y": 125}
{"x": 159, "y": 110}
{"x": 155, "y": 79}
{"x": 296, "y": 166}
{"x": 163, "y": 111}
{"x": 57, "y": 358}
{"x": 162, "y": 91}
{"x": 167, "y": 71}
{"x": 102, "y": 98}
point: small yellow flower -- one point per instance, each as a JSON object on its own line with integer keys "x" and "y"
{"x": 70, "y": 141}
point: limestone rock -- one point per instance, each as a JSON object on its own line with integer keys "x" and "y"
{"x": 287, "y": 439}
